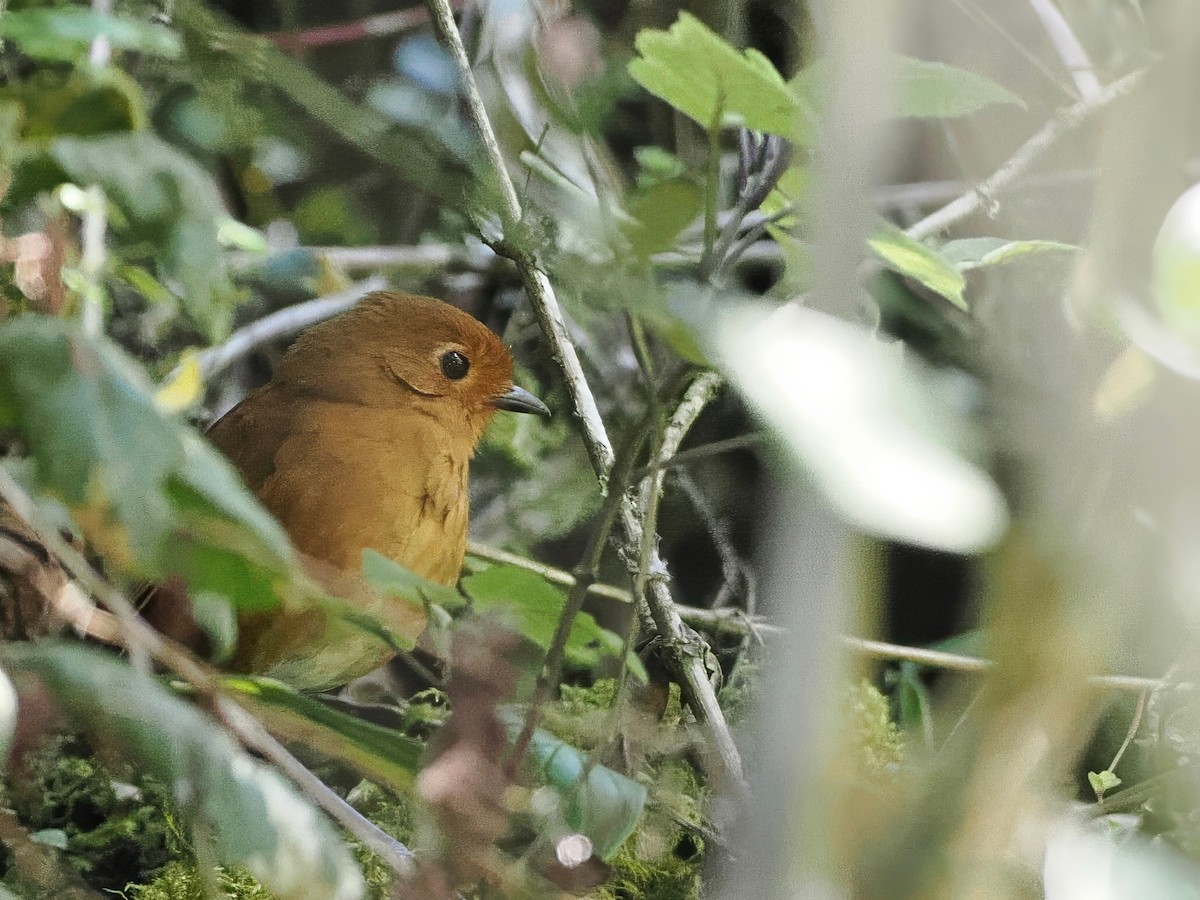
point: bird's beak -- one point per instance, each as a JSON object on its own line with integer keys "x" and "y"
{"x": 517, "y": 399}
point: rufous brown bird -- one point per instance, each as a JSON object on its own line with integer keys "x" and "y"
{"x": 361, "y": 440}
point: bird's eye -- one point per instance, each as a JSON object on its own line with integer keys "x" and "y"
{"x": 454, "y": 365}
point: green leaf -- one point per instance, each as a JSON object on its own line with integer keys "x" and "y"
{"x": 934, "y": 90}
{"x": 922, "y": 264}
{"x": 391, "y": 579}
{"x": 661, "y": 211}
{"x": 384, "y": 755}
{"x": 1103, "y": 782}
{"x": 923, "y": 89}
{"x": 147, "y": 492}
{"x": 913, "y": 702}
{"x": 976, "y": 253}
{"x": 171, "y": 205}
{"x": 596, "y": 801}
{"x": 701, "y": 75}
{"x": 64, "y": 33}
{"x": 249, "y": 813}
{"x": 537, "y": 605}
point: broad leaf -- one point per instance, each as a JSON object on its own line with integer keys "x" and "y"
{"x": 66, "y": 32}
{"x": 388, "y": 577}
{"x": 149, "y": 494}
{"x": 662, "y": 210}
{"x": 921, "y": 89}
{"x": 537, "y": 605}
{"x": 701, "y": 75}
{"x": 384, "y": 755}
{"x": 596, "y": 801}
{"x": 171, "y": 205}
{"x": 922, "y": 264}
{"x": 251, "y": 816}
{"x": 934, "y": 90}
{"x": 976, "y": 253}
{"x": 879, "y": 435}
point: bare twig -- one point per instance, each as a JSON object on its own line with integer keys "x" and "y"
{"x": 379, "y": 25}
{"x": 704, "y": 451}
{"x": 585, "y": 577}
{"x": 1016, "y": 165}
{"x": 700, "y": 696}
{"x": 286, "y": 322}
{"x": 144, "y": 642}
{"x": 1068, "y": 48}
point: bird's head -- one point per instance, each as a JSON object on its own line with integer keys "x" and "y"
{"x": 401, "y": 350}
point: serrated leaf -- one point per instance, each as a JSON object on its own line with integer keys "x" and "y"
{"x": 977, "y": 253}
{"x": 249, "y": 813}
{"x": 146, "y": 491}
{"x": 701, "y": 75}
{"x": 597, "y": 802}
{"x": 922, "y": 89}
{"x": 537, "y": 605}
{"x": 64, "y": 33}
{"x": 919, "y": 262}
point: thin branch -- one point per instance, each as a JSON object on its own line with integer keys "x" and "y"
{"x": 417, "y": 259}
{"x": 284, "y": 323}
{"x": 1131, "y": 733}
{"x": 1068, "y": 48}
{"x": 704, "y": 451}
{"x": 585, "y": 577}
{"x": 144, "y": 642}
{"x": 736, "y": 623}
{"x": 379, "y": 25}
{"x": 700, "y": 696}
{"x": 1017, "y": 164}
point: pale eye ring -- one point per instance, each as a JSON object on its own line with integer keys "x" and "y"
{"x": 454, "y": 365}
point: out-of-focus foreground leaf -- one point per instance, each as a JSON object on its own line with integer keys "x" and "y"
{"x": 246, "y": 812}
{"x": 873, "y": 432}
{"x": 66, "y": 32}
{"x": 171, "y": 203}
{"x": 922, "y": 89}
{"x": 148, "y": 493}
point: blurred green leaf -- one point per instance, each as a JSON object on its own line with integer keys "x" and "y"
{"x": 1103, "y": 782}
{"x": 922, "y": 264}
{"x": 661, "y": 211}
{"x": 701, "y": 75}
{"x": 934, "y": 90}
{"x": 596, "y": 801}
{"x": 537, "y": 605}
{"x": 656, "y": 164}
{"x": 976, "y": 253}
{"x": 251, "y": 816}
{"x": 65, "y": 32}
{"x": 880, "y": 438}
{"x": 922, "y": 89}
{"x": 83, "y": 102}
{"x": 172, "y": 206}
{"x": 382, "y": 754}
{"x": 148, "y": 493}
{"x": 8, "y": 714}
{"x": 391, "y": 579}
{"x": 913, "y": 702}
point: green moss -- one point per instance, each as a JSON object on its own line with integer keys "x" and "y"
{"x": 641, "y": 872}
{"x": 182, "y": 881}
{"x": 118, "y": 825}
